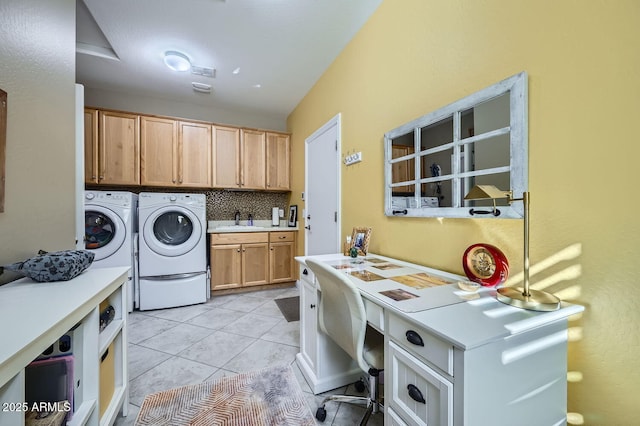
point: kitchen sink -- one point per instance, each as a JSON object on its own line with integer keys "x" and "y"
{"x": 238, "y": 228}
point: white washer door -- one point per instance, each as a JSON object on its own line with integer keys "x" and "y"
{"x": 172, "y": 231}
{"x": 104, "y": 231}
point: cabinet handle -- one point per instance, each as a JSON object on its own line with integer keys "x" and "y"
{"x": 238, "y": 250}
{"x": 312, "y": 306}
{"x": 415, "y": 393}
{"x": 282, "y": 237}
{"x": 414, "y": 338}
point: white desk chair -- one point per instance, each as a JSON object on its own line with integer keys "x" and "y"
{"x": 343, "y": 318}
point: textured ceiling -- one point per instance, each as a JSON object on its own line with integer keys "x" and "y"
{"x": 283, "y": 46}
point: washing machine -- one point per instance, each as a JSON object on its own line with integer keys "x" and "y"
{"x": 172, "y": 263}
{"x": 110, "y": 222}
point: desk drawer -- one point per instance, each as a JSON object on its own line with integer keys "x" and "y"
{"x": 419, "y": 394}
{"x": 375, "y": 315}
{"x": 307, "y": 275}
{"x": 422, "y": 344}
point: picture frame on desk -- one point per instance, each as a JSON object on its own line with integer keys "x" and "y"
{"x": 293, "y": 216}
{"x": 360, "y": 238}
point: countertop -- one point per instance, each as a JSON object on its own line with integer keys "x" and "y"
{"x": 226, "y": 226}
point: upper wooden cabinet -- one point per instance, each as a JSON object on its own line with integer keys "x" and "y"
{"x": 226, "y": 157}
{"x": 239, "y": 158}
{"x": 253, "y": 159}
{"x": 278, "y": 161}
{"x": 175, "y": 153}
{"x": 194, "y": 154}
{"x": 158, "y": 146}
{"x": 90, "y": 145}
{"x": 112, "y": 147}
{"x": 130, "y": 149}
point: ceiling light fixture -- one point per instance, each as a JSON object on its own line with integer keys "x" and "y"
{"x": 177, "y": 61}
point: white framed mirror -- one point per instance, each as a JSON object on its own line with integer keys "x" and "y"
{"x": 482, "y": 139}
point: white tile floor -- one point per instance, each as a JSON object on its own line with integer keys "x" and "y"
{"x": 225, "y": 336}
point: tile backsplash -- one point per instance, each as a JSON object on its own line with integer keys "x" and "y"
{"x": 222, "y": 205}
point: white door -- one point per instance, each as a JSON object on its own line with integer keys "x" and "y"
{"x": 322, "y": 192}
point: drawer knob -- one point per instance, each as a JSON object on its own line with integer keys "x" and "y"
{"x": 305, "y": 272}
{"x": 312, "y": 306}
{"x": 414, "y": 338}
{"x": 415, "y": 393}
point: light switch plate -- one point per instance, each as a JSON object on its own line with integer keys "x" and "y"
{"x": 353, "y": 158}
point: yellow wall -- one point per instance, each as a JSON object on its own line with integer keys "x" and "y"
{"x": 37, "y": 70}
{"x": 583, "y": 61}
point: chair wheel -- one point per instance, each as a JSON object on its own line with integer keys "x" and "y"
{"x": 359, "y": 385}
{"x": 321, "y": 414}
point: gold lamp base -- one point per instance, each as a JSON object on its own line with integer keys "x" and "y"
{"x": 536, "y": 301}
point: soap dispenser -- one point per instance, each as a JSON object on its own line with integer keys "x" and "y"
{"x": 250, "y": 221}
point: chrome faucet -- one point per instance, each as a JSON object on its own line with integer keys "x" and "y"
{"x": 237, "y": 217}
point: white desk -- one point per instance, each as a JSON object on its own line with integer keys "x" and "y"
{"x": 482, "y": 362}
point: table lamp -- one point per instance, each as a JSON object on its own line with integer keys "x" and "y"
{"x": 525, "y": 298}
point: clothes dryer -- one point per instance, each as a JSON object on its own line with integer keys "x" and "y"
{"x": 110, "y": 223}
{"x": 172, "y": 261}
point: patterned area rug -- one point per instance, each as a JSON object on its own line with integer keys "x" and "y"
{"x": 271, "y": 396}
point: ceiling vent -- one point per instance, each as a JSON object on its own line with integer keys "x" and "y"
{"x": 201, "y": 87}
{"x": 203, "y": 71}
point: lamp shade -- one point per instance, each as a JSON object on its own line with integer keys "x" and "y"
{"x": 177, "y": 61}
{"x": 486, "y": 192}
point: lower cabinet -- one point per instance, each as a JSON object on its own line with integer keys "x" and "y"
{"x": 282, "y": 249}
{"x": 323, "y": 363}
{"x": 239, "y": 259}
{"x": 245, "y": 259}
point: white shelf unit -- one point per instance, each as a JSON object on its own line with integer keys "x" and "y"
{"x": 55, "y": 309}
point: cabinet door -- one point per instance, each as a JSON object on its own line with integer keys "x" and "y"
{"x": 253, "y": 168}
{"x": 90, "y": 145}
{"x": 226, "y": 157}
{"x": 158, "y": 151}
{"x": 255, "y": 264}
{"x": 119, "y": 148}
{"x": 418, "y": 393}
{"x": 194, "y": 155}
{"x": 281, "y": 265}
{"x": 278, "y": 161}
{"x": 309, "y": 324}
{"x": 226, "y": 266}
{"x": 403, "y": 170}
